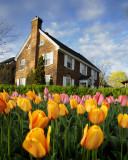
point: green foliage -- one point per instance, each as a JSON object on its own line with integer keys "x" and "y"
{"x": 70, "y": 90}
{"x": 116, "y": 78}
{"x": 29, "y": 77}
{"x": 39, "y": 74}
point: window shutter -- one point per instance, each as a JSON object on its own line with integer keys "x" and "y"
{"x": 72, "y": 82}
{"x": 81, "y": 68}
{"x": 18, "y": 82}
{"x": 86, "y": 71}
{"x": 64, "y": 81}
{"x": 73, "y": 64}
{"x": 51, "y": 57}
{"x": 65, "y": 60}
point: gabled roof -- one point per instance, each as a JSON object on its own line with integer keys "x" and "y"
{"x": 8, "y": 60}
{"x": 126, "y": 81}
{"x": 74, "y": 53}
{"x": 84, "y": 77}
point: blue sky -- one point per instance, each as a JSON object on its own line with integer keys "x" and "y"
{"x": 98, "y": 29}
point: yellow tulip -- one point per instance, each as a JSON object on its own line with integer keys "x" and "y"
{"x": 73, "y": 103}
{"x": 81, "y": 109}
{"x": 123, "y": 120}
{"x": 31, "y": 95}
{"x": 57, "y": 98}
{"x": 36, "y": 143}
{"x": 97, "y": 115}
{"x": 37, "y": 119}
{"x": 10, "y": 105}
{"x": 89, "y": 104}
{"x": 53, "y": 110}
{"x": 37, "y": 100}
{"x": 106, "y": 104}
{"x": 24, "y": 104}
{"x": 63, "y": 110}
{"x": 92, "y": 138}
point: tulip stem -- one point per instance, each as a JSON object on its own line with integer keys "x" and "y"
{"x": 9, "y": 124}
{"x": 122, "y": 143}
{"x": 65, "y": 144}
{"x": 75, "y": 128}
{"x": 31, "y": 157}
{"x": 93, "y": 154}
{"x": 53, "y": 135}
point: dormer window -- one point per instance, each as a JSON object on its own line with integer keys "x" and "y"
{"x": 29, "y": 46}
{"x": 41, "y": 42}
{"x": 22, "y": 64}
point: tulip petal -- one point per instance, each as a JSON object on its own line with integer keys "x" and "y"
{"x": 84, "y": 136}
{"x": 2, "y": 105}
{"x": 34, "y": 147}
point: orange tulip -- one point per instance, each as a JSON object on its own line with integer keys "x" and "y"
{"x": 4, "y": 96}
{"x": 73, "y": 103}
{"x": 97, "y": 115}
{"x": 37, "y": 119}
{"x": 53, "y": 110}
{"x": 89, "y": 104}
{"x": 36, "y": 143}
{"x": 106, "y": 104}
{"x": 15, "y": 99}
{"x": 3, "y": 105}
{"x": 57, "y": 98}
{"x": 81, "y": 109}
{"x": 37, "y": 100}
{"x": 123, "y": 120}
{"x": 31, "y": 95}
{"x": 63, "y": 110}
{"x": 92, "y": 138}
{"x": 24, "y": 104}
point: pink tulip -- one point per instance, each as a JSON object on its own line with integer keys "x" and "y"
{"x": 123, "y": 100}
{"x": 100, "y": 99}
{"x": 46, "y": 91}
{"x": 95, "y": 97}
{"x": 45, "y": 97}
{"x": 51, "y": 98}
{"x": 64, "y": 98}
{"x": 15, "y": 93}
{"x": 110, "y": 99}
{"x": 87, "y": 97}
{"x": 83, "y": 98}
{"x": 82, "y": 102}
{"x": 77, "y": 98}
{"x": 97, "y": 93}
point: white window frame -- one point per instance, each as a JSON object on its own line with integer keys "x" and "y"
{"x": 71, "y": 81}
{"x": 29, "y": 46}
{"x": 47, "y": 77}
{"x": 22, "y": 63}
{"x": 50, "y": 55}
{"x": 71, "y": 61}
{"x": 23, "y": 80}
{"x": 41, "y": 43}
{"x": 83, "y": 69}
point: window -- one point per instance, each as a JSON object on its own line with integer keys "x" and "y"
{"x": 68, "y": 81}
{"x": 48, "y": 57}
{"x": 47, "y": 79}
{"x": 29, "y": 46}
{"x": 21, "y": 81}
{"x": 94, "y": 74}
{"x": 69, "y": 62}
{"x": 22, "y": 64}
{"x": 41, "y": 42}
{"x": 83, "y": 69}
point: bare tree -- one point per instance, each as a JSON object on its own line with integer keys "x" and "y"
{"x": 105, "y": 68}
{"x": 6, "y": 35}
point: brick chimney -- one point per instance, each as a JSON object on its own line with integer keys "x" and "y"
{"x": 36, "y": 24}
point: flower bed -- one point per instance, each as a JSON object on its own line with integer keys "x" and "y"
{"x": 60, "y": 127}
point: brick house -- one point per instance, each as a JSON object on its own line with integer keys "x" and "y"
{"x": 66, "y": 66}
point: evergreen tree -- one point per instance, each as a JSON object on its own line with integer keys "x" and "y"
{"x": 51, "y": 81}
{"x": 39, "y": 74}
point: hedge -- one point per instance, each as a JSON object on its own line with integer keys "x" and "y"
{"x": 70, "y": 90}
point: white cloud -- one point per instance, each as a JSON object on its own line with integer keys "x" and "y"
{"x": 90, "y": 9}
{"x": 85, "y": 39}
